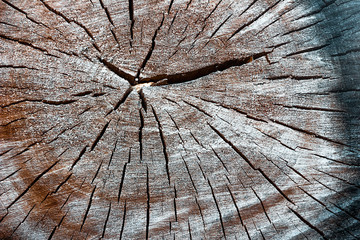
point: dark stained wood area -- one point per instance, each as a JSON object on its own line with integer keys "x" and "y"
{"x": 179, "y": 119}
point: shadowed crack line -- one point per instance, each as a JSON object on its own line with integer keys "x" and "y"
{"x": 33, "y": 183}
{"x": 162, "y": 138}
{"x": 249, "y": 162}
{"x": 202, "y": 72}
{"x": 151, "y": 49}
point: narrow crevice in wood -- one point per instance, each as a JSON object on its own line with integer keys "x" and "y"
{"x": 298, "y": 173}
{"x": 32, "y": 184}
{"x": 170, "y": 5}
{"x": 191, "y": 179}
{"x": 18, "y": 67}
{"x": 355, "y": 50}
{"x": 52, "y": 233}
{"x": 123, "y": 176}
{"x": 202, "y": 72}
{"x": 11, "y": 174}
{"x": 99, "y": 136}
{"x": 202, "y": 171}
{"x": 163, "y": 144}
{"x": 338, "y": 178}
{"x": 250, "y": 164}
{"x": 174, "y": 201}
{"x": 268, "y": 135}
{"x": 308, "y": 132}
{"x": 319, "y": 10}
{"x": 63, "y": 102}
{"x": 79, "y": 157}
{"x": 190, "y": 235}
{"x": 172, "y": 22}
{"x": 196, "y": 140}
{"x": 107, "y": 12}
{"x": 218, "y": 157}
{"x": 337, "y": 161}
{"x": 218, "y": 209}
{"x": 62, "y": 183}
{"x": 62, "y": 132}
{"x": 88, "y": 208}
{"x": 28, "y": 44}
{"x": 188, "y": 4}
{"x": 247, "y": 232}
{"x": 140, "y": 133}
{"x": 253, "y": 20}
{"x": 218, "y": 28}
{"x": 307, "y": 50}
{"x": 176, "y": 126}
{"x": 62, "y": 219}
{"x": 68, "y": 20}
{"x": 115, "y": 37}
{"x": 106, "y": 220}
{"x": 143, "y": 99}
{"x": 24, "y": 219}
{"x": 201, "y": 212}
{"x": 123, "y": 221}
{"x": 212, "y": 11}
{"x": 151, "y": 49}
{"x": 12, "y": 121}
{"x": 197, "y": 108}
{"x": 147, "y": 203}
{"x": 236, "y": 206}
{"x": 122, "y": 181}
{"x": 23, "y": 12}
{"x": 81, "y": 94}
{"x": 97, "y": 172}
{"x": 307, "y": 223}
{"x": 112, "y": 153}
{"x": 248, "y": 7}
{"x": 310, "y": 108}
{"x": 118, "y": 72}
{"x": 121, "y": 101}
{"x": 5, "y": 152}
{"x": 347, "y": 212}
{"x": 132, "y": 20}
{"x": 262, "y": 205}
{"x": 66, "y": 200}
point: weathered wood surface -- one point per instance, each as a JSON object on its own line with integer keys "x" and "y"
{"x": 179, "y": 119}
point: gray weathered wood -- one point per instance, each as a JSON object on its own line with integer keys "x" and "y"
{"x": 179, "y": 119}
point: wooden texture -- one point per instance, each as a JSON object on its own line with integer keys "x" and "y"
{"x": 179, "y": 119}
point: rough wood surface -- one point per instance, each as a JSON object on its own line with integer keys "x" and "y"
{"x": 179, "y": 119}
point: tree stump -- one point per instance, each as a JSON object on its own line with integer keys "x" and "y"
{"x": 179, "y": 119}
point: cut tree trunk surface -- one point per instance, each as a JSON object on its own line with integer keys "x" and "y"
{"x": 179, "y": 119}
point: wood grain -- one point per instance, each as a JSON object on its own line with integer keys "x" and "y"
{"x": 179, "y": 119}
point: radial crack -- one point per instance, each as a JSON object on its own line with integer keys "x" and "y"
{"x": 140, "y": 133}
{"x": 99, "y": 136}
{"x": 68, "y": 20}
{"x": 88, "y": 208}
{"x": 307, "y": 223}
{"x": 163, "y": 143}
{"x": 107, "y": 12}
{"x": 151, "y": 49}
{"x": 106, "y": 220}
{"x": 147, "y": 203}
{"x": 128, "y": 77}
{"x": 202, "y": 72}
{"x": 218, "y": 208}
{"x": 249, "y": 163}
{"x": 253, "y": 20}
{"x": 32, "y": 183}
{"x": 79, "y": 157}
{"x": 131, "y": 16}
